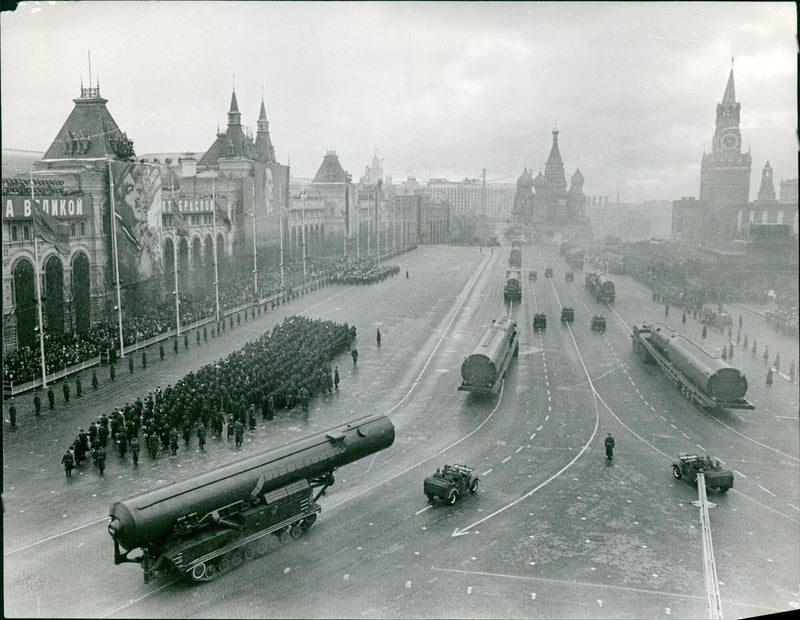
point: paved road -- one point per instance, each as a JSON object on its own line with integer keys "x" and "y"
{"x": 554, "y": 530}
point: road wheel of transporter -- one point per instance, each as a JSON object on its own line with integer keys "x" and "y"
{"x": 224, "y": 564}
{"x": 474, "y": 486}
{"x": 308, "y": 522}
{"x": 263, "y": 545}
{"x": 199, "y": 571}
{"x": 285, "y": 536}
{"x": 211, "y": 571}
{"x": 236, "y": 558}
{"x": 452, "y": 496}
{"x": 250, "y": 552}
{"x": 296, "y": 531}
{"x": 676, "y": 472}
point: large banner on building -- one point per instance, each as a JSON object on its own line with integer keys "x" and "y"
{"x": 137, "y": 208}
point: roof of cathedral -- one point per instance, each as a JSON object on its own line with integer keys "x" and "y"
{"x": 525, "y": 179}
{"x": 330, "y": 171}
{"x": 234, "y": 104}
{"x": 90, "y": 132}
{"x": 730, "y": 91}
{"x": 577, "y": 177}
{"x": 555, "y": 155}
{"x": 539, "y": 180}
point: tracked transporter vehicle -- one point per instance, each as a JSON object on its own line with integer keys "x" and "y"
{"x": 513, "y": 286}
{"x": 515, "y": 258}
{"x": 704, "y": 379}
{"x": 204, "y": 526}
{"x": 600, "y": 286}
{"x": 567, "y": 314}
{"x": 539, "y": 320}
{"x": 483, "y": 371}
{"x": 598, "y": 323}
{"x": 687, "y": 467}
{"x": 450, "y": 483}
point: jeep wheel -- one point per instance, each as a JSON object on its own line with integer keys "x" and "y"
{"x": 474, "y": 486}
{"x": 452, "y": 496}
{"x": 723, "y": 490}
{"x": 676, "y": 472}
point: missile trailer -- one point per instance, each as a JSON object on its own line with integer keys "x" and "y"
{"x": 599, "y": 285}
{"x": 704, "y": 379}
{"x": 484, "y": 369}
{"x": 204, "y": 526}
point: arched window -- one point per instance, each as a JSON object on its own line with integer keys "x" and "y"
{"x": 13, "y": 233}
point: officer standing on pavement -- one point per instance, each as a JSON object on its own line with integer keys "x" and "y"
{"x": 68, "y": 462}
{"x": 201, "y": 435}
{"x": 101, "y": 459}
{"x": 144, "y": 358}
{"x": 135, "y": 451}
{"x": 609, "y": 447}
{"x": 130, "y": 364}
{"x": 78, "y": 387}
{"x": 185, "y": 341}
{"x": 12, "y": 414}
{"x": 238, "y": 430}
{"x": 173, "y": 441}
{"x": 378, "y": 336}
{"x": 112, "y": 372}
{"x": 175, "y": 345}
{"x": 354, "y": 353}
{"x": 51, "y": 397}
{"x": 95, "y": 382}
{"x": 161, "y": 349}
{"x": 37, "y": 402}
{"x": 336, "y": 378}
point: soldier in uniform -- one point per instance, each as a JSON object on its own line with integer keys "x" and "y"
{"x": 173, "y": 441}
{"x": 12, "y": 414}
{"x": 251, "y": 417}
{"x": 231, "y": 424}
{"x": 609, "y": 447}
{"x": 205, "y": 334}
{"x": 161, "y": 350}
{"x": 152, "y": 444}
{"x": 186, "y": 341}
{"x": 239, "y": 432}
{"x": 197, "y": 332}
{"x": 769, "y": 376}
{"x": 68, "y": 462}
{"x": 122, "y": 443}
{"x": 201, "y": 435}
{"x": 112, "y": 371}
{"x": 336, "y": 378}
{"x": 175, "y": 345}
{"x": 37, "y": 403}
{"x": 78, "y": 387}
{"x": 101, "y": 459}
{"x": 144, "y": 358}
{"x": 102, "y": 435}
{"x": 65, "y": 389}
{"x": 378, "y": 336}
{"x": 304, "y": 398}
{"x": 51, "y": 397}
{"x": 354, "y": 353}
{"x": 135, "y": 451}
{"x": 95, "y": 382}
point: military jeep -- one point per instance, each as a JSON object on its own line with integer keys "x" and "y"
{"x": 532, "y": 274}
{"x": 539, "y": 320}
{"x": 548, "y": 272}
{"x": 688, "y": 465}
{"x": 598, "y": 323}
{"x": 449, "y": 483}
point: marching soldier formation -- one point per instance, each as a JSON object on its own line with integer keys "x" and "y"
{"x": 287, "y": 366}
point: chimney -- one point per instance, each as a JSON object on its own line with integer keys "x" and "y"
{"x": 188, "y": 167}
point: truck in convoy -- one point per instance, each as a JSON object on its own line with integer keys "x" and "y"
{"x": 206, "y": 525}
{"x": 515, "y": 258}
{"x": 450, "y": 483}
{"x": 483, "y": 371}
{"x": 512, "y": 290}
{"x": 600, "y": 286}
{"x": 704, "y": 379}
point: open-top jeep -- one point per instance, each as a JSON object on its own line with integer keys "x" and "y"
{"x": 450, "y": 482}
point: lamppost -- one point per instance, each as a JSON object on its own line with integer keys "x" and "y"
{"x": 346, "y": 212}
{"x": 303, "y": 224}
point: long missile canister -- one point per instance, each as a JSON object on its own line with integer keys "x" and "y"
{"x": 148, "y": 519}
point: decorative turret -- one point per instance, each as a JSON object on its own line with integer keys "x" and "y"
{"x": 576, "y": 182}
{"x": 265, "y": 152}
{"x": 767, "y": 189}
{"x": 538, "y": 182}
{"x": 234, "y": 117}
{"x": 525, "y": 179}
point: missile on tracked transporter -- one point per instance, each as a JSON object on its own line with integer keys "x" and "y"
{"x": 210, "y": 523}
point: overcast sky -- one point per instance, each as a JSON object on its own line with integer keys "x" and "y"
{"x": 441, "y": 89}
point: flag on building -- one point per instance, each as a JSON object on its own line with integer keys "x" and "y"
{"x": 179, "y": 223}
{"x": 222, "y": 215}
{"x": 50, "y": 229}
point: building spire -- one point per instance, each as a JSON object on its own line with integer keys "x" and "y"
{"x": 730, "y": 92}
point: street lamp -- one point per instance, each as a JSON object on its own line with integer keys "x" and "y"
{"x": 303, "y": 224}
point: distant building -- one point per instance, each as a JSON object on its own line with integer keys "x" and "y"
{"x": 788, "y": 192}
{"x": 474, "y": 198}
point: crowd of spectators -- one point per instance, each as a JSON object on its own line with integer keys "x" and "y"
{"x": 236, "y": 288}
{"x": 279, "y": 370}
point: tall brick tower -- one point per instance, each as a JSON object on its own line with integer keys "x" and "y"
{"x": 725, "y": 171}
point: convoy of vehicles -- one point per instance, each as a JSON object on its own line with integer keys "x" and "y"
{"x": 483, "y": 371}
{"x": 515, "y": 259}
{"x": 449, "y": 483}
{"x": 704, "y": 379}
{"x": 208, "y": 524}
{"x": 567, "y": 314}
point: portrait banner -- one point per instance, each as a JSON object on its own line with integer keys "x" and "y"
{"x": 137, "y": 212}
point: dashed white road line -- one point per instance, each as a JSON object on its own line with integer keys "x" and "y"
{"x": 738, "y": 473}
{"x": 701, "y": 447}
{"x": 767, "y": 490}
{"x": 538, "y": 428}
{"x": 532, "y": 436}
{"x": 423, "y": 509}
{"x": 505, "y": 460}
{"x": 518, "y": 449}
{"x": 488, "y": 471}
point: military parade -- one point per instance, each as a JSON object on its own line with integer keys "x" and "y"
{"x": 221, "y": 397}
